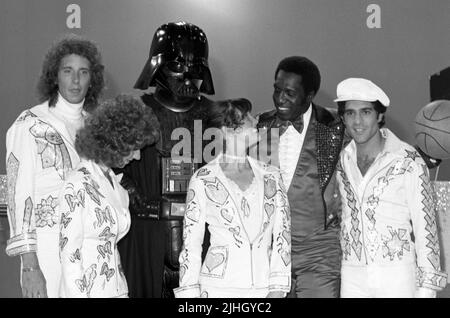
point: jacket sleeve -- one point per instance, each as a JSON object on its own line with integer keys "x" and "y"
{"x": 423, "y": 216}
{"x": 193, "y": 233}
{"x": 21, "y": 165}
{"x": 280, "y": 259}
{"x": 72, "y": 208}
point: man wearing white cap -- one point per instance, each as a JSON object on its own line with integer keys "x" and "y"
{"x": 389, "y": 241}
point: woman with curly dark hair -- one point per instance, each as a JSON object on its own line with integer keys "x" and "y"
{"x": 40, "y": 152}
{"x": 93, "y": 205}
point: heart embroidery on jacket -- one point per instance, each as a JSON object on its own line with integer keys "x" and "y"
{"x": 270, "y": 188}
{"x": 204, "y": 294}
{"x": 286, "y": 257}
{"x": 216, "y": 192}
{"x": 286, "y": 235}
{"x": 190, "y": 195}
{"x": 269, "y": 208}
{"x": 192, "y": 214}
{"x": 214, "y": 260}
{"x": 227, "y": 215}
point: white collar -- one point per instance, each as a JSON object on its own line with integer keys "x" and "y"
{"x": 392, "y": 144}
{"x": 72, "y": 112}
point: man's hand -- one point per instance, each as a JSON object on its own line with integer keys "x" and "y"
{"x": 33, "y": 281}
{"x": 276, "y": 294}
{"x": 34, "y": 284}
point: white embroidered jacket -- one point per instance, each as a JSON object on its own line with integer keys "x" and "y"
{"x": 393, "y": 203}
{"x": 94, "y": 217}
{"x": 39, "y": 153}
{"x": 233, "y": 261}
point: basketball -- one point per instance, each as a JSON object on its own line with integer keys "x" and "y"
{"x": 432, "y": 127}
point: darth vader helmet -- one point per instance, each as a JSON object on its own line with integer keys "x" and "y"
{"x": 178, "y": 61}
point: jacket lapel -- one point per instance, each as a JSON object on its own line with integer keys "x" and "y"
{"x": 42, "y": 111}
{"x": 329, "y": 140}
{"x": 118, "y": 198}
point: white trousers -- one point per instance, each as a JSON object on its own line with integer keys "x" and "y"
{"x": 378, "y": 281}
{"x": 219, "y": 292}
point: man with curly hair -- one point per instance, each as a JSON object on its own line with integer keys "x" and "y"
{"x": 40, "y": 151}
{"x": 93, "y": 205}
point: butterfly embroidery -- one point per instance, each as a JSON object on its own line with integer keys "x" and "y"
{"x": 75, "y": 256}
{"x": 105, "y": 249}
{"x": 62, "y": 241}
{"x": 84, "y": 170}
{"x": 92, "y": 191}
{"x": 103, "y": 216}
{"x": 85, "y": 284}
{"x": 75, "y": 200}
{"x": 65, "y": 220}
{"x": 106, "y": 234}
{"x": 108, "y": 272}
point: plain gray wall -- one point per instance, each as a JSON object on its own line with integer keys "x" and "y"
{"x": 247, "y": 39}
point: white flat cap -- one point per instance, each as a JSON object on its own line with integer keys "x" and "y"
{"x": 360, "y": 89}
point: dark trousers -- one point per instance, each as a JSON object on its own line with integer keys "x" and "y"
{"x": 316, "y": 266}
{"x": 142, "y": 253}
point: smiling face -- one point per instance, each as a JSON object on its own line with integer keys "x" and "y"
{"x": 74, "y": 78}
{"x": 289, "y": 96}
{"x": 361, "y": 121}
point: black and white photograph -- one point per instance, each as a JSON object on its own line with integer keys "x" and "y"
{"x": 234, "y": 150}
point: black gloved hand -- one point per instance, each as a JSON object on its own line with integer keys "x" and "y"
{"x": 430, "y": 161}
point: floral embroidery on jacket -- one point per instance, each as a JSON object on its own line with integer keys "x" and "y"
{"x": 45, "y": 212}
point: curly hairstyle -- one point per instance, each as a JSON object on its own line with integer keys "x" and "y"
{"x": 71, "y": 44}
{"x": 116, "y": 128}
{"x": 228, "y": 113}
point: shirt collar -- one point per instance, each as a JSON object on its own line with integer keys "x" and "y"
{"x": 300, "y": 123}
{"x": 392, "y": 144}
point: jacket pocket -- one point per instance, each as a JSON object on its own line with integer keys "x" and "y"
{"x": 215, "y": 262}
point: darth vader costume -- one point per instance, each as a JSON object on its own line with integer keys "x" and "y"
{"x": 178, "y": 69}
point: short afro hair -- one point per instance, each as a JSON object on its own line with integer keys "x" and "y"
{"x": 304, "y": 67}
{"x": 71, "y": 44}
{"x": 115, "y": 129}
